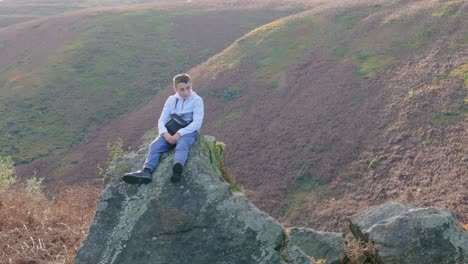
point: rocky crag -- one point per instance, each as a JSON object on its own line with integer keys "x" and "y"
{"x": 199, "y": 220}
{"x": 205, "y": 219}
{"x": 404, "y": 234}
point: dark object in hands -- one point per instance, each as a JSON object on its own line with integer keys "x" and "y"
{"x": 175, "y": 123}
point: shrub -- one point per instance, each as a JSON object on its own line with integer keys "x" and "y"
{"x": 231, "y": 93}
{"x": 34, "y": 185}
{"x": 7, "y": 173}
{"x": 116, "y": 150}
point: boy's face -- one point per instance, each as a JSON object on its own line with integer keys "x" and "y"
{"x": 183, "y": 89}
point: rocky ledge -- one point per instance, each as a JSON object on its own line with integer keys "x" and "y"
{"x": 205, "y": 219}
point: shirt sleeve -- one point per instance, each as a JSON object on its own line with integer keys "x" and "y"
{"x": 198, "y": 114}
{"x": 165, "y": 116}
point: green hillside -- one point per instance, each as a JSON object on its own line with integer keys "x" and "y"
{"x": 335, "y": 109}
{"x": 372, "y": 39}
{"x": 16, "y": 11}
{"x": 275, "y": 46}
{"x": 118, "y": 61}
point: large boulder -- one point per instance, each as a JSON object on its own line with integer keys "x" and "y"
{"x": 406, "y": 235}
{"x": 329, "y": 246}
{"x": 203, "y": 220}
{"x": 199, "y": 220}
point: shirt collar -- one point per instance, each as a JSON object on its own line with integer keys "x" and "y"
{"x": 180, "y": 97}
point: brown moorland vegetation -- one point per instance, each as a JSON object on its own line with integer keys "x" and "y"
{"x": 35, "y": 229}
{"x": 379, "y": 117}
{"x": 369, "y": 133}
{"x": 374, "y": 113}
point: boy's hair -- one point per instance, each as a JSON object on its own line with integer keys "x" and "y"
{"x": 181, "y": 78}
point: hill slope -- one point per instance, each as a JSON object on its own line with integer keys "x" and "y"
{"x": 330, "y": 111}
{"x": 61, "y": 75}
{"x": 339, "y": 109}
{"x": 17, "y": 11}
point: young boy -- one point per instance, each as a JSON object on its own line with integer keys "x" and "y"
{"x": 188, "y": 106}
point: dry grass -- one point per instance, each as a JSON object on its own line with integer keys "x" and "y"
{"x": 464, "y": 226}
{"x": 360, "y": 252}
{"x": 36, "y": 229}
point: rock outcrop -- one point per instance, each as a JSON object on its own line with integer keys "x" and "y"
{"x": 199, "y": 220}
{"x": 321, "y": 245}
{"x": 204, "y": 220}
{"x": 404, "y": 234}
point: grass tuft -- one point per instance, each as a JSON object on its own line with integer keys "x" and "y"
{"x": 373, "y": 164}
{"x": 358, "y": 251}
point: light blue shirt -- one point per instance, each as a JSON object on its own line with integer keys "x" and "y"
{"x": 190, "y": 109}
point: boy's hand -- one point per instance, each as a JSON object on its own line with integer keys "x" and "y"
{"x": 170, "y": 139}
{"x": 176, "y": 136}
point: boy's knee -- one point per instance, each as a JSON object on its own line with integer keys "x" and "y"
{"x": 158, "y": 145}
{"x": 182, "y": 146}
{"x": 156, "y": 141}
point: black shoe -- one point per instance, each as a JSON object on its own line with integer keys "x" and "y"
{"x": 177, "y": 172}
{"x": 141, "y": 176}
